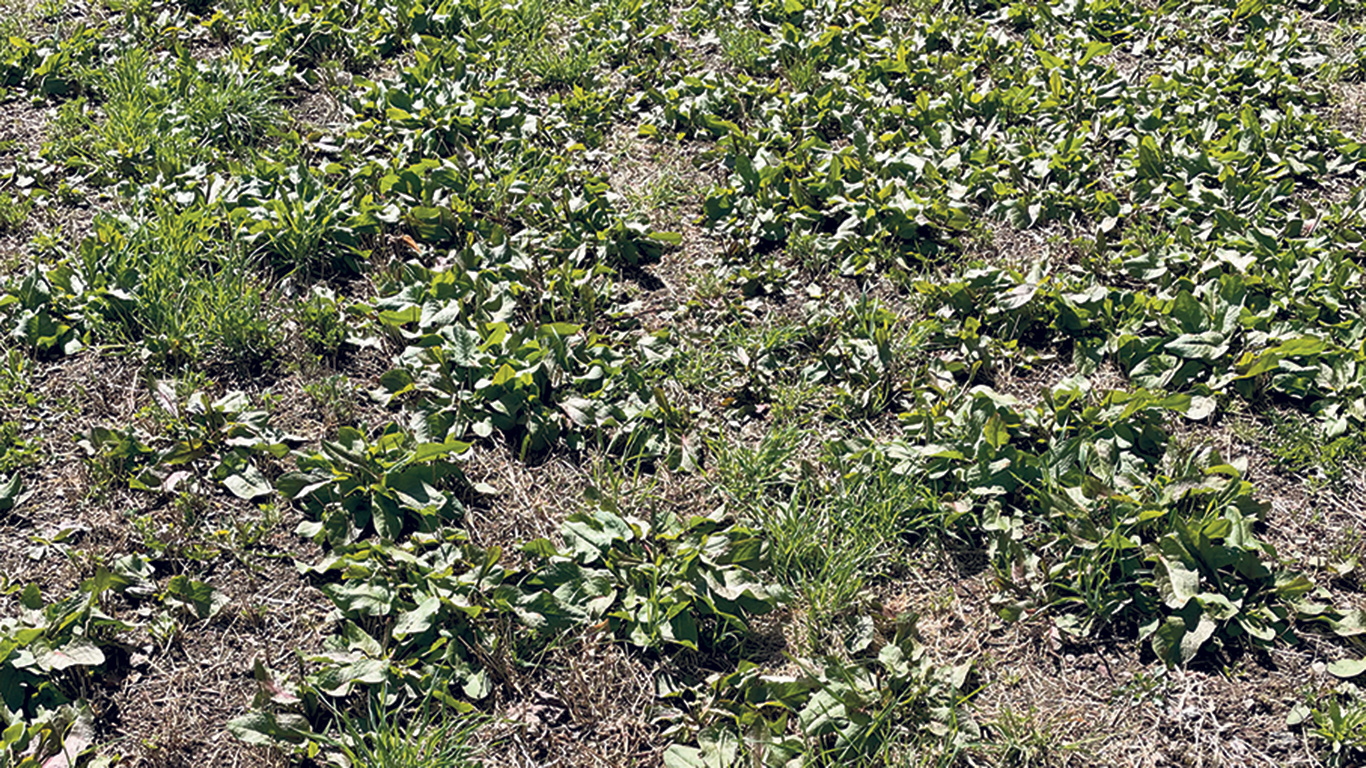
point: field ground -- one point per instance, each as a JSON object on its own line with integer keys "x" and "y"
{"x": 622, "y": 383}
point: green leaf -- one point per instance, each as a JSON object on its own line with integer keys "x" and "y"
{"x": 1176, "y": 583}
{"x": 1018, "y": 296}
{"x": 463, "y": 347}
{"x": 1347, "y": 668}
{"x": 1195, "y": 637}
{"x": 717, "y": 749}
{"x": 80, "y": 652}
{"x": 413, "y": 491}
{"x": 248, "y": 483}
{"x": 269, "y": 729}
{"x": 594, "y": 535}
{"x": 671, "y": 238}
{"x": 11, "y": 492}
{"x": 337, "y": 681}
{"x": 426, "y": 452}
{"x": 504, "y": 374}
{"x": 1149, "y": 159}
{"x": 418, "y": 620}
{"x": 682, "y": 629}
{"x": 1188, "y": 312}
{"x": 1094, "y": 49}
{"x": 1209, "y": 346}
{"x": 360, "y": 641}
{"x": 540, "y": 547}
{"x": 1351, "y": 624}
{"x": 679, "y": 756}
{"x": 361, "y": 599}
{"x": 195, "y": 596}
{"x": 1304, "y": 346}
{"x": 79, "y": 737}
{"x": 995, "y": 432}
{"x": 294, "y": 485}
{"x": 1299, "y": 714}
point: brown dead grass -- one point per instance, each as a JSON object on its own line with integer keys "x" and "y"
{"x": 1350, "y": 101}
{"x": 590, "y": 702}
{"x": 169, "y": 705}
{"x": 1045, "y": 702}
{"x": 666, "y": 181}
{"x": 21, "y": 135}
{"x": 158, "y": 703}
{"x": 588, "y": 705}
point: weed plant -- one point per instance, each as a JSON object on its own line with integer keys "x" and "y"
{"x": 173, "y": 283}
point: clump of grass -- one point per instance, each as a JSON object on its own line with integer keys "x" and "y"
{"x": 831, "y": 529}
{"x": 1338, "y": 720}
{"x": 301, "y": 224}
{"x": 335, "y": 398}
{"x": 159, "y": 116}
{"x": 742, "y": 46}
{"x": 431, "y": 735}
{"x": 16, "y": 449}
{"x": 173, "y": 282}
{"x": 1301, "y": 446}
{"x": 322, "y": 324}
{"x": 14, "y": 211}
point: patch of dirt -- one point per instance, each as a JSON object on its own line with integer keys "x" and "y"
{"x": 588, "y": 706}
{"x": 68, "y": 397}
{"x": 319, "y": 110}
{"x": 169, "y": 705}
{"x": 21, "y": 136}
{"x": 531, "y": 500}
{"x": 1045, "y": 702}
{"x": 665, "y": 181}
{"x": 1001, "y": 243}
{"x": 24, "y": 128}
{"x": 1349, "y": 113}
{"x": 159, "y": 701}
{"x": 590, "y": 703}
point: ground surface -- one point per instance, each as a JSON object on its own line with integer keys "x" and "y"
{"x": 617, "y": 382}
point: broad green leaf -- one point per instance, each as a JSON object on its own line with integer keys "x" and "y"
{"x": 1188, "y": 312}
{"x": 1176, "y": 583}
{"x": 426, "y": 452}
{"x": 1347, "y": 668}
{"x": 362, "y": 599}
{"x": 1208, "y": 346}
{"x": 248, "y": 483}
{"x": 1018, "y": 296}
{"x": 1094, "y": 49}
{"x": 995, "y": 432}
{"x": 679, "y": 756}
{"x": 199, "y": 598}
{"x": 1351, "y": 624}
{"x": 360, "y": 641}
{"x": 337, "y": 681}
{"x": 79, "y": 737}
{"x": 79, "y": 652}
{"x": 11, "y": 492}
{"x": 294, "y": 485}
{"x": 1150, "y": 164}
{"x": 419, "y": 619}
{"x": 1195, "y": 637}
{"x": 269, "y": 729}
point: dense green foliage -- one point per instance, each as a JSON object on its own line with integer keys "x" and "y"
{"x": 875, "y": 166}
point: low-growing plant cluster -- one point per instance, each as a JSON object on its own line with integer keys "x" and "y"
{"x": 804, "y": 295}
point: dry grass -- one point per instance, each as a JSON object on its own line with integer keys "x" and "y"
{"x": 587, "y": 705}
